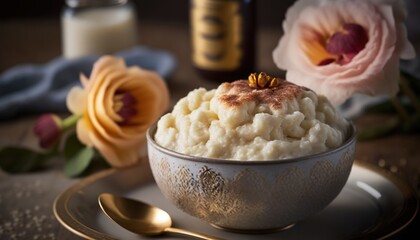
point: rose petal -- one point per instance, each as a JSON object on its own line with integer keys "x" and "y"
{"x": 398, "y": 8}
{"x": 84, "y": 80}
{"x": 126, "y": 113}
{"x": 117, "y": 156}
{"x": 83, "y": 128}
{"x": 76, "y": 100}
{"x": 326, "y": 61}
{"x": 406, "y": 49}
{"x": 96, "y": 108}
{"x": 351, "y": 41}
{"x": 104, "y": 63}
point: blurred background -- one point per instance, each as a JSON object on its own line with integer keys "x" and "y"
{"x": 270, "y": 12}
{"x": 30, "y": 32}
{"x": 39, "y": 21}
{"x": 17, "y": 14}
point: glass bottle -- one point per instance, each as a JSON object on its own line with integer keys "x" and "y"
{"x": 223, "y": 38}
{"x": 97, "y": 27}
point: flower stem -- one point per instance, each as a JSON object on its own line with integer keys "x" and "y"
{"x": 399, "y": 107}
{"x": 70, "y": 121}
{"x": 405, "y": 87}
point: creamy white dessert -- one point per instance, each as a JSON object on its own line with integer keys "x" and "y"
{"x": 236, "y": 121}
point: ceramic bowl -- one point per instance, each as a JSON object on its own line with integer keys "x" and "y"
{"x": 251, "y": 196}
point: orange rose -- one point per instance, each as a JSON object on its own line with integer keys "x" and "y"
{"x": 117, "y": 105}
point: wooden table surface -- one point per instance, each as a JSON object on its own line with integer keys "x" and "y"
{"x": 26, "y": 199}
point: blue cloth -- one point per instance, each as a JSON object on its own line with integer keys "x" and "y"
{"x": 35, "y": 89}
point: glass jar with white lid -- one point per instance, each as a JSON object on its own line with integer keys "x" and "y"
{"x": 97, "y": 27}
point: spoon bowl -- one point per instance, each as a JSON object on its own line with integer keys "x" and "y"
{"x": 140, "y": 217}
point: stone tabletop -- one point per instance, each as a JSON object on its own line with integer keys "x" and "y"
{"x": 26, "y": 199}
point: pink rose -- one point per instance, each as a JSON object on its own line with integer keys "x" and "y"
{"x": 117, "y": 104}
{"x": 338, "y": 48}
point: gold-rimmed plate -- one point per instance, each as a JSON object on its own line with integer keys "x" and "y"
{"x": 374, "y": 204}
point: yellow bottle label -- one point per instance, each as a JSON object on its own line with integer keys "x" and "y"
{"x": 216, "y": 34}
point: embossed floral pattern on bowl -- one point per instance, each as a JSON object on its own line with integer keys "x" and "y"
{"x": 251, "y": 196}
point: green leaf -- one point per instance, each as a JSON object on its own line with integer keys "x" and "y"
{"x": 379, "y": 130}
{"x": 384, "y": 107}
{"x": 19, "y": 160}
{"x": 412, "y": 124}
{"x": 78, "y": 157}
{"x": 78, "y": 163}
{"x": 413, "y": 81}
{"x": 72, "y": 146}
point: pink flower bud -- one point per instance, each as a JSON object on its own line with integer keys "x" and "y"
{"x": 48, "y": 130}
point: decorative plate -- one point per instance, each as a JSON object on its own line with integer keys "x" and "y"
{"x": 374, "y": 204}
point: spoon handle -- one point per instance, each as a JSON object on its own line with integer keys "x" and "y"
{"x": 192, "y": 234}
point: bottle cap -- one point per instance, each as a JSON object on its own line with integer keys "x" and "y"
{"x": 94, "y": 3}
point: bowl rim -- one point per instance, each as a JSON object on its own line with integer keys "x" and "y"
{"x": 351, "y": 138}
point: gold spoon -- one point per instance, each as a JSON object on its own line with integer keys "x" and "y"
{"x": 141, "y": 218}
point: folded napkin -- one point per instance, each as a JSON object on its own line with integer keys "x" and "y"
{"x": 35, "y": 89}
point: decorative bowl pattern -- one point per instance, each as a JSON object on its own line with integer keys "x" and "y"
{"x": 251, "y": 196}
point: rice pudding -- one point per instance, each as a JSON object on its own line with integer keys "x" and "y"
{"x": 239, "y": 121}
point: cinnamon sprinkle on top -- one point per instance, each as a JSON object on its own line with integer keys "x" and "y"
{"x": 236, "y": 93}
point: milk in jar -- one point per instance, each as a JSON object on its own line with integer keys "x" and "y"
{"x": 98, "y": 27}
